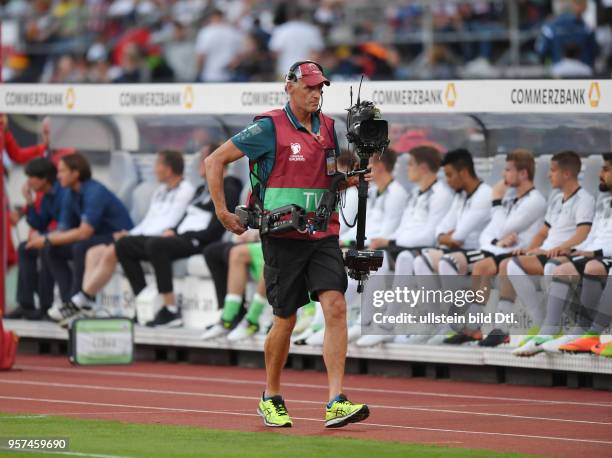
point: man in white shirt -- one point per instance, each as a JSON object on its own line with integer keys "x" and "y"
{"x": 294, "y": 41}
{"x": 217, "y": 45}
{"x": 517, "y": 214}
{"x": 387, "y": 199}
{"x": 167, "y": 206}
{"x": 428, "y": 204}
{"x": 567, "y": 223}
{"x": 589, "y": 265}
{"x": 469, "y": 213}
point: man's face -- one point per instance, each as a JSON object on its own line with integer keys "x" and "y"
{"x": 511, "y": 175}
{"x": 415, "y": 170}
{"x": 605, "y": 177}
{"x": 556, "y": 175}
{"x": 162, "y": 171}
{"x": 306, "y": 98}
{"x": 379, "y": 172}
{"x": 66, "y": 176}
{"x": 36, "y": 184}
{"x": 454, "y": 178}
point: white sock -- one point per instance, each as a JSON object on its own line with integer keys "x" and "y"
{"x": 504, "y": 306}
{"x": 171, "y": 308}
{"x": 404, "y": 264}
{"x": 526, "y": 291}
{"x": 80, "y": 300}
{"x": 558, "y": 295}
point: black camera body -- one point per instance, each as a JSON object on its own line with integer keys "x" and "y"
{"x": 366, "y": 130}
{"x": 277, "y": 221}
{"x": 361, "y": 262}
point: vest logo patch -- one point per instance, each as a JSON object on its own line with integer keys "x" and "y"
{"x": 295, "y": 149}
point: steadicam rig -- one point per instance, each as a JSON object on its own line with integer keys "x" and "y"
{"x": 293, "y": 217}
{"x": 370, "y": 135}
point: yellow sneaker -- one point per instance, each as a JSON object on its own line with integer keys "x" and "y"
{"x": 274, "y": 412}
{"x": 340, "y": 412}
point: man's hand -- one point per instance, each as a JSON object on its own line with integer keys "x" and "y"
{"x": 448, "y": 240}
{"x": 14, "y": 217}
{"x": 557, "y": 251}
{"x": 168, "y": 233}
{"x": 508, "y": 241}
{"x": 377, "y": 244}
{"x": 498, "y": 190}
{"x": 36, "y": 242}
{"x": 119, "y": 235}
{"x": 231, "y": 222}
{"x": 26, "y": 192}
{"x": 354, "y": 180}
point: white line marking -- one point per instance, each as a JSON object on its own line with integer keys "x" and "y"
{"x": 59, "y": 452}
{"x": 416, "y": 428}
{"x": 302, "y": 385}
{"x": 292, "y": 401}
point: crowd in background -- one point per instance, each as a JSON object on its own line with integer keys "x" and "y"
{"x": 132, "y": 41}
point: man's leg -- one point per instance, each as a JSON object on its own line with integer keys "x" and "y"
{"x": 130, "y": 251}
{"x": 55, "y": 259}
{"x": 27, "y": 276}
{"x": 237, "y": 278}
{"x": 100, "y": 264}
{"x": 217, "y": 258}
{"x": 519, "y": 270}
{"x": 162, "y": 251}
{"x": 79, "y": 251}
{"x": 335, "y": 343}
{"x": 276, "y": 349}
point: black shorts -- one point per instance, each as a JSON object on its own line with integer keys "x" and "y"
{"x": 295, "y": 268}
{"x": 580, "y": 262}
{"x": 394, "y": 251}
{"x": 473, "y": 256}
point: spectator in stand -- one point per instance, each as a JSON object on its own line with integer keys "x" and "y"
{"x": 295, "y": 40}
{"x": 571, "y": 66}
{"x": 49, "y": 213}
{"x": 569, "y": 27}
{"x": 132, "y": 68}
{"x": 198, "y": 228}
{"x": 439, "y": 64}
{"x": 217, "y": 45}
{"x": 100, "y": 214}
{"x": 253, "y": 62}
{"x": 167, "y": 207}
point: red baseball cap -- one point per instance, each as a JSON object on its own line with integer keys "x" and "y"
{"x": 311, "y": 74}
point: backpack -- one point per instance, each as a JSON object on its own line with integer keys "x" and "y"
{"x": 8, "y": 348}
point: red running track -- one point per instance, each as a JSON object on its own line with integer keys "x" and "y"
{"x": 543, "y": 421}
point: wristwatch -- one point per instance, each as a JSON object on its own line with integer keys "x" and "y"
{"x": 47, "y": 241}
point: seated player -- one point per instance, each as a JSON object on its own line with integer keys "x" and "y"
{"x": 517, "y": 213}
{"x": 567, "y": 224}
{"x": 587, "y": 267}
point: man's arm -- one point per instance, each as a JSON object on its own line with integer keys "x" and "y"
{"x": 215, "y": 164}
{"x": 582, "y": 232}
{"x": 83, "y": 232}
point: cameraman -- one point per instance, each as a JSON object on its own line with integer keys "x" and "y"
{"x": 289, "y": 150}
